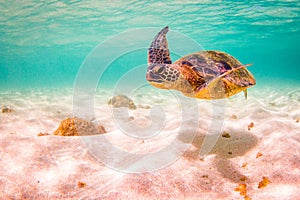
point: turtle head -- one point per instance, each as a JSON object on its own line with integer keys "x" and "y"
{"x": 162, "y": 76}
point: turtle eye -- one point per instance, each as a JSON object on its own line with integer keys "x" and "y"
{"x": 159, "y": 70}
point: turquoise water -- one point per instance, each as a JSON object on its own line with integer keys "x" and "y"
{"x": 44, "y": 43}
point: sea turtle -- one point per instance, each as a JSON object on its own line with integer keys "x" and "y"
{"x": 204, "y": 75}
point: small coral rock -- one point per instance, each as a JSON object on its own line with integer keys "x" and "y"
{"x": 121, "y": 101}
{"x": 264, "y": 182}
{"x": 242, "y": 189}
{"x": 78, "y": 127}
{"x": 42, "y": 134}
{"x": 225, "y": 134}
{"x": 243, "y": 178}
{"x": 250, "y": 126}
{"x": 234, "y": 117}
{"x": 6, "y": 109}
{"x": 81, "y": 184}
{"x": 259, "y": 154}
{"x": 244, "y": 164}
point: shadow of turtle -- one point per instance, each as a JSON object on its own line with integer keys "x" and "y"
{"x": 238, "y": 144}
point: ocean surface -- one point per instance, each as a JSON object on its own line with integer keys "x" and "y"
{"x": 45, "y": 43}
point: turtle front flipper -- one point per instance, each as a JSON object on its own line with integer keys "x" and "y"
{"x": 161, "y": 73}
{"x": 158, "y": 52}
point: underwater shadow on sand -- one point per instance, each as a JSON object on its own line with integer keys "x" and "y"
{"x": 238, "y": 144}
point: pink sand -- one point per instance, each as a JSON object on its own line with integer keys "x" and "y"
{"x": 50, "y": 167}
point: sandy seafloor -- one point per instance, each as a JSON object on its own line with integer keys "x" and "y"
{"x": 50, "y": 167}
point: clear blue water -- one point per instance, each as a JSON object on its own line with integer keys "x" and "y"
{"x": 43, "y": 43}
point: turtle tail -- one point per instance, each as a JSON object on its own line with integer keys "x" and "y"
{"x": 158, "y": 52}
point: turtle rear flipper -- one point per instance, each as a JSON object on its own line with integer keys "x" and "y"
{"x": 246, "y": 93}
